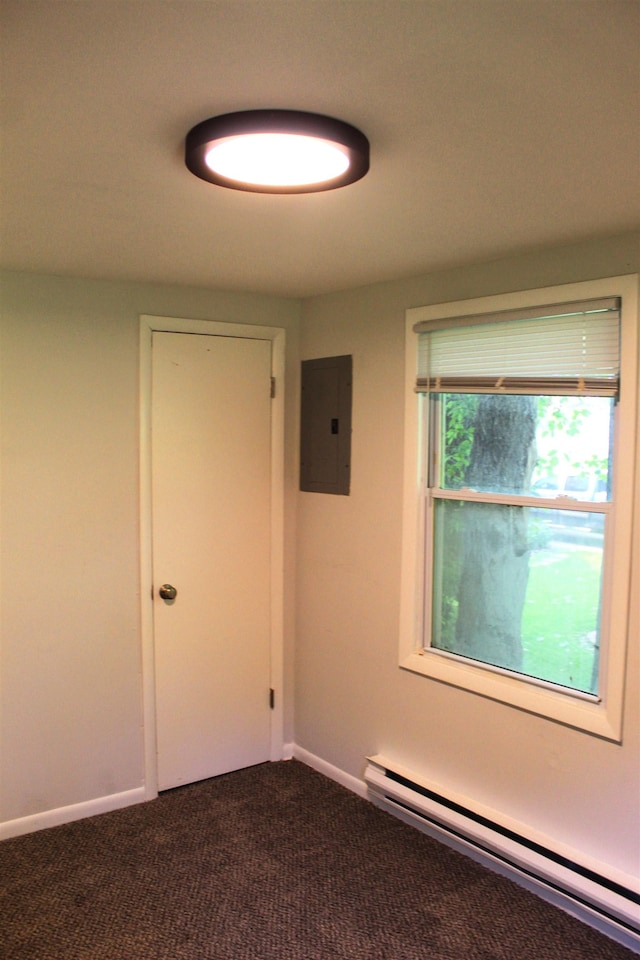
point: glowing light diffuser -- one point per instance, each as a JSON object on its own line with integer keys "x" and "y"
{"x": 277, "y": 151}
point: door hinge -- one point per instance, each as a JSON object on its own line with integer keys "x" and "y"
{"x": 273, "y": 387}
{"x": 272, "y": 698}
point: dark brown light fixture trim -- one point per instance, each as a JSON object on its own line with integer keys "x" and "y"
{"x": 203, "y": 137}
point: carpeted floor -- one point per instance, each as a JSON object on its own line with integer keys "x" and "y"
{"x": 271, "y": 863}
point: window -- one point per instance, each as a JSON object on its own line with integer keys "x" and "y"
{"x": 520, "y": 433}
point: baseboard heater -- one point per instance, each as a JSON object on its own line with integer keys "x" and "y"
{"x": 605, "y": 899}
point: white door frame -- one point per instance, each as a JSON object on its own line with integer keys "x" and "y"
{"x": 276, "y": 335}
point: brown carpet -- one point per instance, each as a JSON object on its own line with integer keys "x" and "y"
{"x": 271, "y": 863}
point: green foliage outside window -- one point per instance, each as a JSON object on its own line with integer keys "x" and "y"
{"x": 519, "y": 587}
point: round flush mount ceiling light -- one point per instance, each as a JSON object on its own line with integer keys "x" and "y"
{"x": 277, "y": 151}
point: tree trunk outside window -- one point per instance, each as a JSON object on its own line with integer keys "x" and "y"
{"x": 495, "y": 554}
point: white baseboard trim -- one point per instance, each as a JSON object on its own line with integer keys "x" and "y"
{"x": 287, "y": 751}
{"x": 76, "y": 811}
{"x": 334, "y": 773}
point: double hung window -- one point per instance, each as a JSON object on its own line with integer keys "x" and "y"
{"x": 523, "y": 498}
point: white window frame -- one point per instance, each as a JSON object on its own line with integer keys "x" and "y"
{"x": 601, "y": 716}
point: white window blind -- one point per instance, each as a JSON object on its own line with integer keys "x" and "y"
{"x": 558, "y": 348}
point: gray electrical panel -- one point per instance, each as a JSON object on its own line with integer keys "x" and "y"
{"x": 325, "y": 425}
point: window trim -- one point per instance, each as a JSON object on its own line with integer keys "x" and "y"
{"x": 601, "y": 717}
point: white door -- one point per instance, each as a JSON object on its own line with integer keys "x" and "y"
{"x": 211, "y": 498}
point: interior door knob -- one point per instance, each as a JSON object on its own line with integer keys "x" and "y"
{"x": 167, "y": 592}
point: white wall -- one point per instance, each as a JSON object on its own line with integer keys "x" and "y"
{"x": 70, "y": 656}
{"x": 352, "y": 699}
{"x": 71, "y": 693}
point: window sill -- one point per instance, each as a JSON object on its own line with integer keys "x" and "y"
{"x": 582, "y": 712}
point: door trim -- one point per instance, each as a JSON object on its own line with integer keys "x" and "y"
{"x": 276, "y": 335}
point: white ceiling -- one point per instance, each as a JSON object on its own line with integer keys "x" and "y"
{"x": 496, "y": 127}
